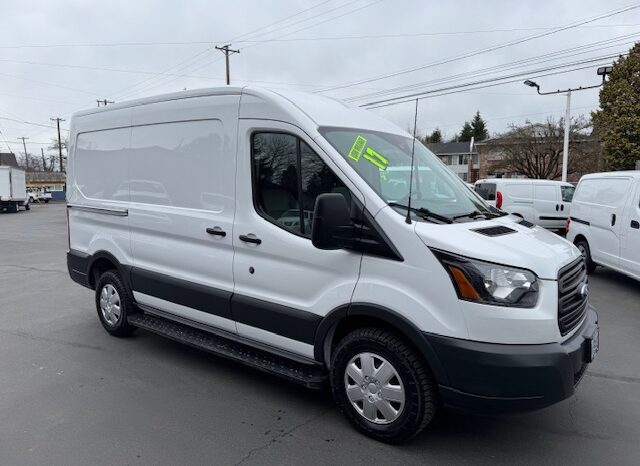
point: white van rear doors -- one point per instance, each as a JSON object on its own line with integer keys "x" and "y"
{"x": 181, "y": 188}
{"x": 283, "y": 284}
{"x": 630, "y": 223}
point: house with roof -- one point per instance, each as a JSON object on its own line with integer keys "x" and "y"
{"x": 461, "y": 157}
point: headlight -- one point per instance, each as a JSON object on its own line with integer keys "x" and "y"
{"x": 487, "y": 283}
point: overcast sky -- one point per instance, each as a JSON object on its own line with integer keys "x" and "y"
{"x": 38, "y": 38}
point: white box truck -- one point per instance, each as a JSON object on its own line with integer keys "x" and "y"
{"x": 13, "y": 189}
{"x": 276, "y": 229}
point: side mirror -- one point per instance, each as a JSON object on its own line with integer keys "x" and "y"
{"x": 332, "y": 227}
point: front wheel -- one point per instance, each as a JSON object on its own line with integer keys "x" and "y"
{"x": 382, "y": 386}
{"x": 114, "y": 304}
{"x": 583, "y": 246}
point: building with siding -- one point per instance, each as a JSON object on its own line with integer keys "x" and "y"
{"x": 461, "y": 157}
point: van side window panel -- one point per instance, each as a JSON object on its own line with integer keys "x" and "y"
{"x": 612, "y": 192}
{"x": 281, "y": 194}
{"x": 487, "y": 191}
{"x": 101, "y": 163}
{"x": 520, "y": 190}
{"x": 567, "y": 193}
{"x": 180, "y": 164}
{"x": 587, "y": 191}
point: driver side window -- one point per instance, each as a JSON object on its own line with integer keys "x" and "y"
{"x": 288, "y": 176}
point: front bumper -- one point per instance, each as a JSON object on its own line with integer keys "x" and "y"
{"x": 488, "y": 378}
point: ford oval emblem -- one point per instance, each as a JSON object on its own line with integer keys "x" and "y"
{"x": 584, "y": 290}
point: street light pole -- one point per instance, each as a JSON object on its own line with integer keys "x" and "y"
{"x": 567, "y": 129}
{"x": 602, "y": 71}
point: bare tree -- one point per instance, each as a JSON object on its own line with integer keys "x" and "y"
{"x": 535, "y": 149}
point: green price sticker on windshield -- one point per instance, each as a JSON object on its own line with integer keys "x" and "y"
{"x": 357, "y": 148}
{"x": 377, "y": 159}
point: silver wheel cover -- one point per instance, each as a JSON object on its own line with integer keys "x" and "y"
{"x": 374, "y": 388}
{"x": 110, "y": 305}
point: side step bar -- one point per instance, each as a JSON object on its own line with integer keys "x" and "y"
{"x": 309, "y": 375}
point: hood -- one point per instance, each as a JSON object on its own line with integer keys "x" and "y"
{"x": 535, "y": 248}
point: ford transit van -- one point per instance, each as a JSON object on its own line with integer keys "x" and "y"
{"x": 605, "y": 221}
{"x": 292, "y": 233}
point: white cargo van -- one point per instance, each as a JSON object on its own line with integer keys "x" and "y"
{"x": 542, "y": 202}
{"x": 13, "y": 189}
{"x": 605, "y": 221}
{"x": 274, "y": 228}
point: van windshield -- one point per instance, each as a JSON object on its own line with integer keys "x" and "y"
{"x": 383, "y": 160}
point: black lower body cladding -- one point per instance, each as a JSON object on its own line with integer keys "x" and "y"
{"x": 487, "y": 378}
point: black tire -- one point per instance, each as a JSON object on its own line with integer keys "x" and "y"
{"x": 120, "y": 326}
{"x": 46, "y": 201}
{"x": 415, "y": 378}
{"x": 27, "y": 206}
{"x": 586, "y": 252}
{"x": 15, "y": 208}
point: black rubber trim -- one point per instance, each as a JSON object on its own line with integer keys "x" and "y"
{"x": 404, "y": 326}
{"x": 501, "y": 378}
{"x": 578, "y": 220}
{"x": 276, "y": 318}
{"x": 193, "y": 295}
{"x": 78, "y": 267}
{"x": 552, "y": 218}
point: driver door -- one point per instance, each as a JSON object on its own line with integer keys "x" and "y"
{"x": 284, "y": 286}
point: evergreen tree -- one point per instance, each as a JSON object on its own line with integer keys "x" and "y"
{"x": 466, "y": 133}
{"x": 618, "y": 120}
{"x": 479, "y": 126}
{"x": 435, "y": 136}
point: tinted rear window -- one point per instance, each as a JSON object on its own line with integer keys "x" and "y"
{"x": 487, "y": 191}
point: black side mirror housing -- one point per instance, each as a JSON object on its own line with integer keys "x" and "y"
{"x": 332, "y": 225}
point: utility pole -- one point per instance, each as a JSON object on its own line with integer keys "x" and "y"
{"x": 602, "y": 71}
{"x": 26, "y": 156}
{"x": 44, "y": 163}
{"x": 104, "y": 102}
{"x": 227, "y": 51}
{"x": 58, "y": 120}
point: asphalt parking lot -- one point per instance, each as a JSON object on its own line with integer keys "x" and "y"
{"x": 71, "y": 394}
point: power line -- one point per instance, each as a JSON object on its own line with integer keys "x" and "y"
{"x": 539, "y": 59}
{"x": 303, "y": 39}
{"x": 485, "y": 50}
{"x": 31, "y": 123}
{"x": 491, "y": 82}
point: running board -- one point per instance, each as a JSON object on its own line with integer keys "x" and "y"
{"x": 309, "y": 375}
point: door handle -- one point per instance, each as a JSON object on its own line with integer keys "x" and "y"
{"x": 557, "y": 207}
{"x": 562, "y": 207}
{"x": 613, "y": 219}
{"x": 635, "y": 224}
{"x": 217, "y": 231}
{"x": 250, "y": 239}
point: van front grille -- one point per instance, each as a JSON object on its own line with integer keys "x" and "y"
{"x": 572, "y": 295}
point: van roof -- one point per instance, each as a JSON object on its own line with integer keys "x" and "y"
{"x": 299, "y": 106}
{"x": 628, "y": 173}
{"x": 521, "y": 180}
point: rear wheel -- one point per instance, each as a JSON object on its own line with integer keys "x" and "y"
{"x": 583, "y": 246}
{"x": 114, "y": 304}
{"x": 382, "y": 386}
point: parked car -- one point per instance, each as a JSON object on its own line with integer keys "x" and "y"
{"x": 401, "y": 309}
{"x": 542, "y": 202}
{"x": 13, "y": 189}
{"x": 39, "y": 195}
{"x": 605, "y": 221}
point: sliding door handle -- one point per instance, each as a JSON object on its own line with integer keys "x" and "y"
{"x": 613, "y": 219}
{"x": 635, "y": 224}
{"x": 250, "y": 238}
{"x": 217, "y": 231}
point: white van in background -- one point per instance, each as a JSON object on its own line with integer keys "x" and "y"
{"x": 605, "y": 221}
{"x": 274, "y": 228}
{"x": 542, "y": 202}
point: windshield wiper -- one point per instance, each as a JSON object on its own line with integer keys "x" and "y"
{"x": 474, "y": 214}
{"x": 424, "y": 213}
